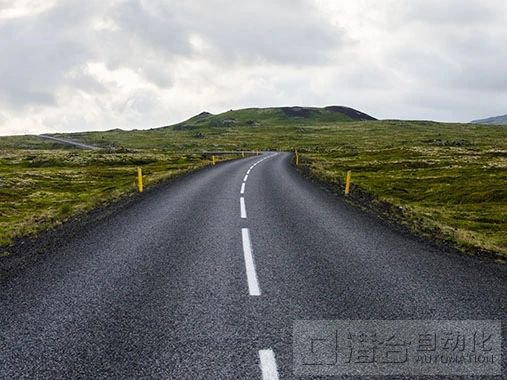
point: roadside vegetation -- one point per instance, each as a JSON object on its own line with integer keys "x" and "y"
{"x": 446, "y": 182}
{"x": 42, "y": 188}
{"x": 443, "y": 181}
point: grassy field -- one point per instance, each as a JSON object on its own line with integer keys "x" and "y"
{"x": 448, "y": 180}
{"x": 445, "y": 184}
{"x": 40, "y": 189}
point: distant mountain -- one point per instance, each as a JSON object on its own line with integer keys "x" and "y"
{"x": 275, "y": 116}
{"x": 492, "y": 120}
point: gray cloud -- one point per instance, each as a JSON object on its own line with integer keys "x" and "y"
{"x": 465, "y": 58}
{"x": 39, "y": 51}
{"x": 134, "y": 62}
{"x": 450, "y": 12}
{"x": 288, "y": 32}
{"x": 150, "y": 27}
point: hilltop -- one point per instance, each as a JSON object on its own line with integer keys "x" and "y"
{"x": 274, "y": 116}
{"x": 496, "y": 120}
{"x": 199, "y": 131}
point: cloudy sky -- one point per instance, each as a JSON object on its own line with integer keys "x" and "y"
{"x": 71, "y": 65}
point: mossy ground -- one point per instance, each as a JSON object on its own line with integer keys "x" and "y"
{"x": 451, "y": 182}
{"x": 447, "y": 176}
{"x": 40, "y": 189}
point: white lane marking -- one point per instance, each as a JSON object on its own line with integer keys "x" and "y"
{"x": 243, "y": 208}
{"x": 253, "y": 284}
{"x": 242, "y": 188}
{"x": 257, "y": 163}
{"x": 246, "y": 178}
{"x": 268, "y": 365}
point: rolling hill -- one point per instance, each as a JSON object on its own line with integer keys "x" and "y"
{"x": 496, "y": 120}
{"x": 197, "y": 132}
{"x": 274, "y": 116}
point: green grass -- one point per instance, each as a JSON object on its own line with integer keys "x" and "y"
{"x": 41, "y": 189}
{"x": 29, "y": 142}
{"x": 271, "y": 117}
{"x": 224, "y": 131}
{"x": 453, "y": 193}
{"x": 449, "y": 179}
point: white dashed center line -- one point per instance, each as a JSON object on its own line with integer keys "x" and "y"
{"x": 268, "y": 365}
{"x": 253, "y": 284}
{"x": 243, "y": 208}
{"x": 267, "y": 357}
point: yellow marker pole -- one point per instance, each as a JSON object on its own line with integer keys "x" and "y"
{"x": 140, "y": 179}
{"x": 347, "y": 182}
{"x": 297, "y": 157}
{"x": 243, "y": 154}
{"x": 213, "y": 160}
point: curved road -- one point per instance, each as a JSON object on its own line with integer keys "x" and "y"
{"x": 190, "y": 282}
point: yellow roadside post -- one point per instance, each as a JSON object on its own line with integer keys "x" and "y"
{"x": 297, "y": 156}
{"x": 347, "y": 182}
{"x": 140, "y": 179}
{"x": 213, "y": 160}
{"x": 243, "y": 154}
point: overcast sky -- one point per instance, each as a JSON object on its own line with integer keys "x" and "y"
{"x": 69, "y": 65}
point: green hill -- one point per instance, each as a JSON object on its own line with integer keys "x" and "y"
{"x": 274, "y": 116}
{"x": 497, "y": 120}
{"x": 269, "y": 128}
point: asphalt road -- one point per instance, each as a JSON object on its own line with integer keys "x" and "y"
{"x": 189, "y": 282}
{"x": 67, "y": 142}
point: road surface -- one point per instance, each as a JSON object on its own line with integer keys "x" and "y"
{"x": 203, "y": 278}
{"x": 68, "y": 142}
